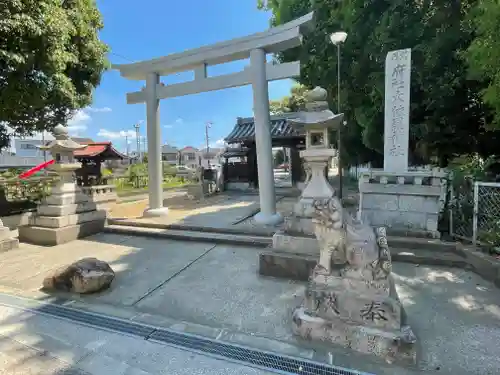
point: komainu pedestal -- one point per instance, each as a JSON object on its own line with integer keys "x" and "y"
{"x": 351, "y": 299}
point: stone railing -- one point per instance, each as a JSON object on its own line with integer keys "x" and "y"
{"x": 101, "y": 193}
{"x": 403, "y": 201}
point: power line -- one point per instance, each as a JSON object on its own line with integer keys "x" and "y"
{"x": 120, "y": 56}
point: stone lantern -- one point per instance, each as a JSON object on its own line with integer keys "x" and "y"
{"x": 67, "y": 213}
{"x": 65, "y": 165}
{"x": 317, "y": 121}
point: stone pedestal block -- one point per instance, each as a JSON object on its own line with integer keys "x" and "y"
{"x": 403, "y": 201}
{"x": 391, "y": 345}
{"x": 7, "y": 242}
{"x": 55, "y": 236}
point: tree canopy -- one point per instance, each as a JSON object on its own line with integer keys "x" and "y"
{"x": 483, "y": 54}
{"x": 51, "y": 59}
{"x": 448, "y": 113}
{"x": 290, "y": 103}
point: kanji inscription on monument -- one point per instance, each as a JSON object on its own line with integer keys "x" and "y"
{"x": 397, "y": 110}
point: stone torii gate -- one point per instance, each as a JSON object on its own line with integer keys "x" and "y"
{"x": 258, "y": 74}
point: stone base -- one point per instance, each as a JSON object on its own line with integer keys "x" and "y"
{"x": 299, "y": 225}
{"x": 295, "y": 244}
{"x": 392, "y": 346}
{"x": 56, "y": 236}
{"x": 8, "y": 244}
{"x": 67, "y": 220}
{"x": 286, "y": 265}
{"x": 266, "y": 219}
{"x": 243, "y": 186}
{"x": 155, "y": 212}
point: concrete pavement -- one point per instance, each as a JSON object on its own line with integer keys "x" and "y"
{"x": 216, "y": 291}
{"x": 31, "y": 343}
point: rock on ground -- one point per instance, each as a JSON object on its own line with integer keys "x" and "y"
{"x": 87, "y": 275}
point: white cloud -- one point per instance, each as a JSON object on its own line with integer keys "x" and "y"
{"x": 99, "y": 110}
{"x": 79, "y": 122}
{"x": 177, "y": 122}
{"x": 109, "y": 134}
{"x": 218, "y": 144}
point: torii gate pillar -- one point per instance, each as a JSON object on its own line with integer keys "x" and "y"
{"x": 263, "y": 140}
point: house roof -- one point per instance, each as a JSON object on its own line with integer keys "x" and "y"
{"x": 188, "y": 148}
{"x": 82, "y": 141}
{"x": 169, "y": 148}
{"x": 105, "y": 150}
{"x": 212, "y": 149}
{"x": 281, "y": 128}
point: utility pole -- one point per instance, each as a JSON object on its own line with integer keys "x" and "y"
{"x": 126, "y": 144}
{"x": 208, "y": 124}
{"x": 138, "y": 140}
{"x": 43, "y": 144}
{"x": 144, "y": 149}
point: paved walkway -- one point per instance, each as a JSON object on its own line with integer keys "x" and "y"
{"x": 214, "y": 290}
{"x": 31, "y": 343}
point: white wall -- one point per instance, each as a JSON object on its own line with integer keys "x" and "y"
{"x": 19, "y": 161}
{"x": 28, "y": 147}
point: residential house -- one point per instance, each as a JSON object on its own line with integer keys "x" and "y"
{"x": 189, "y": 157}
{"x": 28, "y": 154}
{"x": 211, "y": 156}
{"x": 170, "y": 154}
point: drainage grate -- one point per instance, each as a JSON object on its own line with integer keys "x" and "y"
{"x": 250, "y": 356}
{"x": 246, "y": 356}
{"x": 95, "y": 320}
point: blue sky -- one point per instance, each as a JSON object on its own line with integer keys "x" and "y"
{"x": 139, "y": 30}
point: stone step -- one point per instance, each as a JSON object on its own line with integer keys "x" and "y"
{"x": 299, "y": 266}
{"x": 394, "y": 241}
{"x": 403, "y": 242}
{"x": 258, "y": 232}
{"x": 183, "y": 235}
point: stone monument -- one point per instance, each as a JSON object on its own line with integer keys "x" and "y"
{"x": 406, "y": 201}
{"x": 317, "y": 121}
{"x": 7, "y": 242}
{"x": 351, "y": 299}
{"x": 67, "y": 213}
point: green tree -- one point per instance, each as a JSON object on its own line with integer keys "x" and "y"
{"x": 447, "y": 115}
{"x": 279, "y": 157}
{"x": 51, "y": 59}
{"x": 291, "y": 103}
{"x": 483, "y": 55}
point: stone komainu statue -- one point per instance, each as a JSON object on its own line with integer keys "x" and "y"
{"x": 360, "y": 250}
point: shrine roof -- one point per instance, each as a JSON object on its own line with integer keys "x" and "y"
{"x": 104, "y": 150}
{"x": 281, "y": 128}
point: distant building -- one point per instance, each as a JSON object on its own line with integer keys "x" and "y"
{"x": 189, "y": 157}
{"x": 211, "y": 156}
{"x": 170, "y": 154}
{"x": 28, "y": 153}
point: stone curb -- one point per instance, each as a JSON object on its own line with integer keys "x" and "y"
{"x": 299, "y": 267}
{"x": 394, "y": 241}
{"x": 195, "y": 236}
{"x": 193, "y": 228}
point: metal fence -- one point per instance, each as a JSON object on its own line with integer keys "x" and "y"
{"x": 474, "y": 210}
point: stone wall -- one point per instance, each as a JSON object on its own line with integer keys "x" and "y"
{"x": 403, "y": 201}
